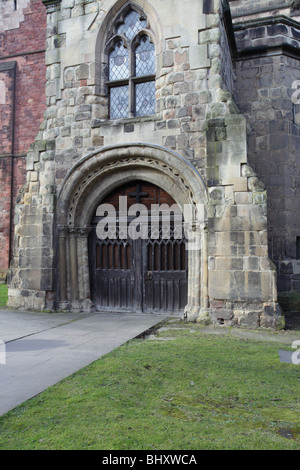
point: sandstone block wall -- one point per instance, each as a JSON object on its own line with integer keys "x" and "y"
{"x": 197, "y": 125}
{"x": 267, "y": 77}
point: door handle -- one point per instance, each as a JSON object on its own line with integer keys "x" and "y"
{"x": 148, "y": 276}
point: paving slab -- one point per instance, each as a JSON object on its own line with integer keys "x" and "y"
{"x": 42, "y": 349}
{"x": 285, "y": 356}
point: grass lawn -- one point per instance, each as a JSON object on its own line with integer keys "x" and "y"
{"x": 3, "y": 295}
{"x": 183, "y": 390}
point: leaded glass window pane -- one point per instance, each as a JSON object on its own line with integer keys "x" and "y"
{"x": 131, "y": 68}
{"x": 119, "y": 102}
{"x": 145, "y": 58}
{"x": 132, "y": 25}
{"x": 145, "y": 98}
{"x": 119, "y": 62}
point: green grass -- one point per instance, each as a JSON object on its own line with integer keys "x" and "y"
{"x": 194, "y": 392}
{"x": 3, "y": 295}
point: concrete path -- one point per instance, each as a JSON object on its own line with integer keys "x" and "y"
{"x": 41, "y": 349}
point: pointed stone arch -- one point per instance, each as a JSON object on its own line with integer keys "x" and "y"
{"x": 113, "y": 8}
{"x": 95, "y": 176}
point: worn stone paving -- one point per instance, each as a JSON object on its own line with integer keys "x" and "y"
{"x": 42, "y": 349}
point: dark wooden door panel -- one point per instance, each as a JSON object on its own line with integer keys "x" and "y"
{"x": 165, "y": 276}
{"x": 166, "y": 295}
{"x": 114, "y": 292}
{"x": 112, "y": 272}
{"x": 139, "y": 275}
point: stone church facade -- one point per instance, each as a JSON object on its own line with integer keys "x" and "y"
{"x": 22, "y": 103}
{"x": 193, "y": 102}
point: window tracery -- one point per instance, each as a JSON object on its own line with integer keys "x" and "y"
{"x": 131, "y": 66}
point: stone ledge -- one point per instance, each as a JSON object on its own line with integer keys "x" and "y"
{"x": 26, "y": 299}
{"x": 124, "y": 121}
{"x": 253, "y": 316}
{"x": 267, "y": 34}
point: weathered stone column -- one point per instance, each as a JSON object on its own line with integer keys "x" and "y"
{"x": 63, "y": 296}
{"x": 83, "y": 268}
{"x": 192, "y": 230}
{"x": 204, "y": 267}
{"x": 73, "y": 264}
{"x": 204, "y": 316}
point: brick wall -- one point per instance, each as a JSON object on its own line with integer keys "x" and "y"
{"x": 8, "y": 194}
{"x": 26, "y": 46}
{"x": 22, "y": 103}
{"x": 29, "y": 36}
{"x": 5, "y": 183}
{"x": 7, "y": 84}
{"x": 30, "y": 101}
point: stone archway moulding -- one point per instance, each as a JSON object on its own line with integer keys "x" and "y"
{"x": 96, "y": 175}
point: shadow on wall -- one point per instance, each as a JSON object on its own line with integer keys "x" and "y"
{"x": 290, "y": 304}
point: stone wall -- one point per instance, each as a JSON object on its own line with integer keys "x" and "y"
{"x": 267, "y": 77}
{"x": 11, "y": 14}
{"x": 245, "y": 8}
{"x": 196, "y": 126}
{"x": 242, "y": 279}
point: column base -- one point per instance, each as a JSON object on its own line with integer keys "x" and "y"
{"x": 26, "y": 299}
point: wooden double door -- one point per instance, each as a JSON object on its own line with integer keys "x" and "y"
{"x": 146, "y": 273}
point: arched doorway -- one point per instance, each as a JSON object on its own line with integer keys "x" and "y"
{"x": 137, "y": 255}
{"x": 91, "y": 180}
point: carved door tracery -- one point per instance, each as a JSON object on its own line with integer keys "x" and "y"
{"x": 146, "y": 274}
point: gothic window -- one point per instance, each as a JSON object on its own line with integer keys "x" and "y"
{"x": 131, "y": 67}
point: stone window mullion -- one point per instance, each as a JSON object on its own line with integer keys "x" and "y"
{"x": 131, "y": 83}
